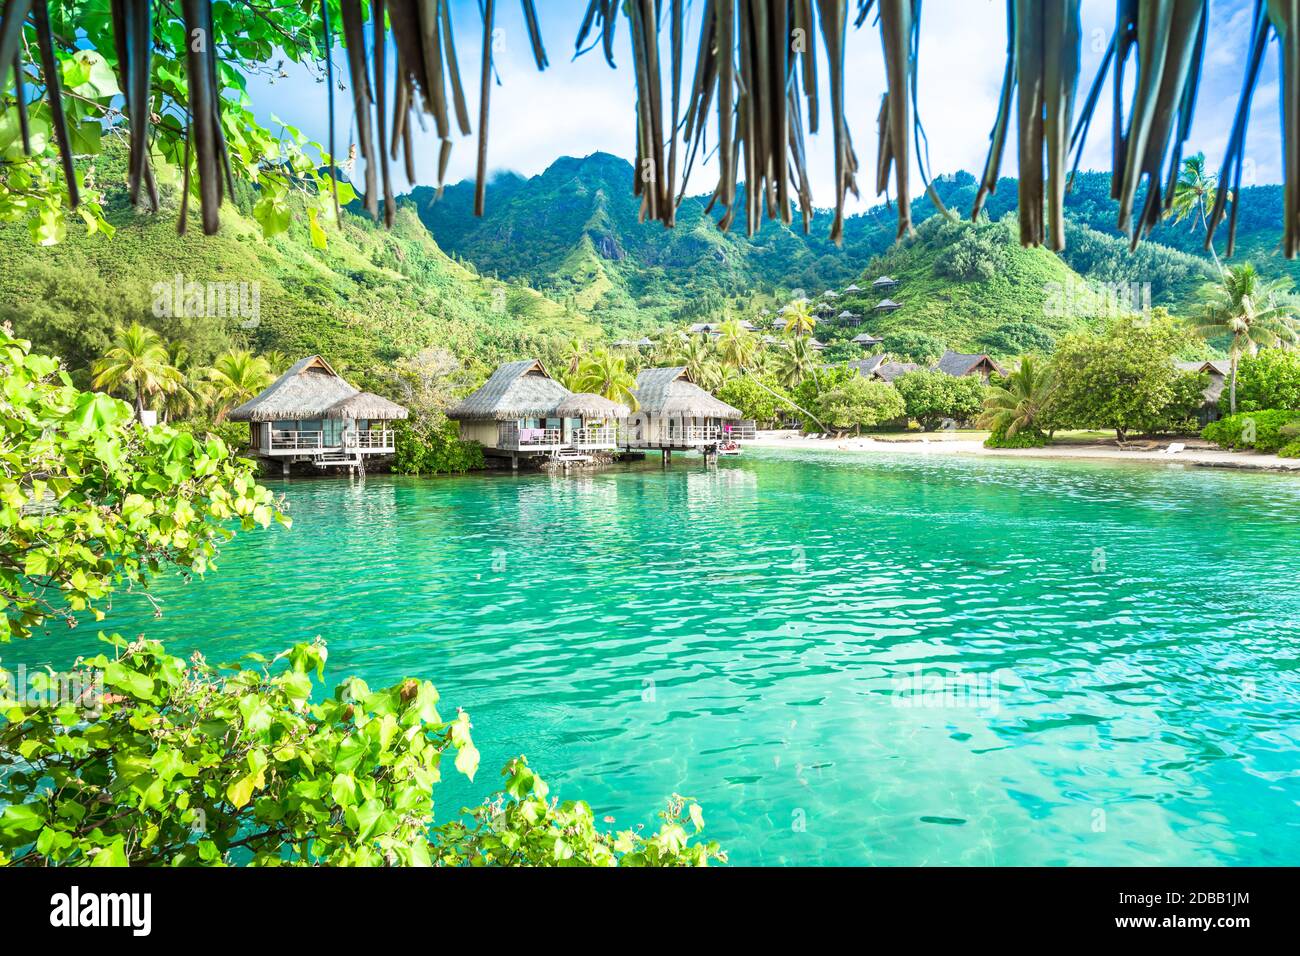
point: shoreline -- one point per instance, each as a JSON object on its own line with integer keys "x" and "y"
{"x": 1197, "y": 452}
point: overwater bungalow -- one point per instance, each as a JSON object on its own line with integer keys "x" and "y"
{"x": 521, "y": 412}
{"x": 675, "y": 414}
{"x": 311, "y": 414}
{"x": 960, "y": 364}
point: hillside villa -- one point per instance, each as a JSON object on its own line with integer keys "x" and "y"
{"x": 311, "y": 414}
{"x": 1218, "y": 370}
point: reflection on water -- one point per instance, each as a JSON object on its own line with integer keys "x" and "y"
{"x": 893, "y": 660}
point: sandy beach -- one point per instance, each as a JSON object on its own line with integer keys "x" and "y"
{"x": 1196, "y": 451}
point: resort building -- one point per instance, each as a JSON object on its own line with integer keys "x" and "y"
{"x": 867, "y": 340}
{"x": 887, "y": 305}
{"x": 521, "y": 412}
{"x": 868, "y": 367}
{"x": 673, "y": 413}
{"x": 311, "y": 414}
{"x": 1218, "y": 370}
{"x": 959, "y": 364}
{"x": 888, "y": 371}
{"x": 884, "y": 283}
{"x": 849, "y": 318}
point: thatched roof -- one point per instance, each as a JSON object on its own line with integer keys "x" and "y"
{"x": 866, "y": 338}
{"x": 888, "y": 371}
{"x": 515, "y": 390}
{"x": 853, "y": 288}
{"x": 884, "y": 282}
{"x": 590, "y": 405}
{"x": 887, "y": 305}
{"x": 960, "y": 363}
{"x": 366, "y": 405}
{"x": 670, "y": 393}
{"x": 311, "y": 389}
{"x": 868, "y": 367}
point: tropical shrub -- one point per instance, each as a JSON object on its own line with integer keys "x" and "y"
{"x": 1014, "y": 406}
{"x": 1264, "y": 431}
{"x": 860, "y": 403}
{"x": 931, "y": 397}
{"x": 753, "y": 400}
{"x": 167, "y": 762}
{"x": 910, "y": 346}
{"x": 1291, "y": 450}
{"x": 434, "y": 450}
{"x": 90, "y": 499}
{"x": 1024, "y": 438}
{"x": 1268, "y": 379}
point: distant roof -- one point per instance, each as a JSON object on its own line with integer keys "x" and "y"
{"x": 590, "y": 405}
{"x": 866, "y": 338}
{"x": 867, "y": 367}
{"x": 670, "y": 392}
{"x": 644, "y": 341}
{"x": 846, "y": 314}
{"x": 814, "y": 344}
{"x": 884, "y": 281}
{"x": 312, "y": 389}
{"x": 960, "y": 363}
{"x": 888, "y": 371}
{"x": 884, "y": 304}
{"x": 830, "y": 294}
{"x": 515, "y": 390}
{"x": 852, "y": 288}
{"x": 1213, "y": 366}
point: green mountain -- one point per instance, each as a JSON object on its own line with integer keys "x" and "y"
{"x": 574, "y": 232}
{"x": 370, "y": 297}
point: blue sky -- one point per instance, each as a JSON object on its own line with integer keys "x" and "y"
{"x": 578, "y": 107}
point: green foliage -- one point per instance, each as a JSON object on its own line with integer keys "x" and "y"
{"x": 424, "y": 449}
{"x": 1125, "y": 379}
{"x": 1290, "y": 450}
{"x": 1268, "y": 379}
{"x": 859, "y": 403}
{"x": 906, "y": 345}
{"x": 932, "y": 397}
{"x": 1029, "y": 437}
{"x": 1266, "y": 431}
{"x": 753, "y": 400}
{"x": 90, "y": 499}
{"x": 160, "y": 761}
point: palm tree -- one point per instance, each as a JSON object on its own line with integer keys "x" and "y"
{"x": 606, "y": 374}
{"x": 695, "y": 354}
{"x": 1194, "y": 195}
{"x": 276, "y": 361}
{"x": 137, "y": 364}
{"x": 237, "y": 376}
{"x": 185, "y": 393}
{"x": 736, "y": 345}
{"x": 1017, "y": 403}
{"x": 1252, "y": 310}
{"x": 798, "y": 362}
{"x": 799, "y": 320}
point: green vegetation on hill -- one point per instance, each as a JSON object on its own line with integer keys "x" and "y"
{"x": 974, "y": 288}
{"x": 370, "y": 298}
{"x": 574, "y": 231}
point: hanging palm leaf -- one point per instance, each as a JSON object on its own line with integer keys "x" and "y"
{"x": 1281, "y": 19}
{"x": 1043, "y": 39}
{"x": 1167, "y": 39}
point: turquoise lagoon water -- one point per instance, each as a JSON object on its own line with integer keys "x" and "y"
{"x": 901, "y": 660}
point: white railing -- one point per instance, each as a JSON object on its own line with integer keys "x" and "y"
{"x": 291, "y": 440}
{"x": 592, "y": 437}
{"x": 693, "y": 434}
{"x": 377, "y": 439}
{"x": 740, "y": 431}
{"x": 512, "y": 436}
